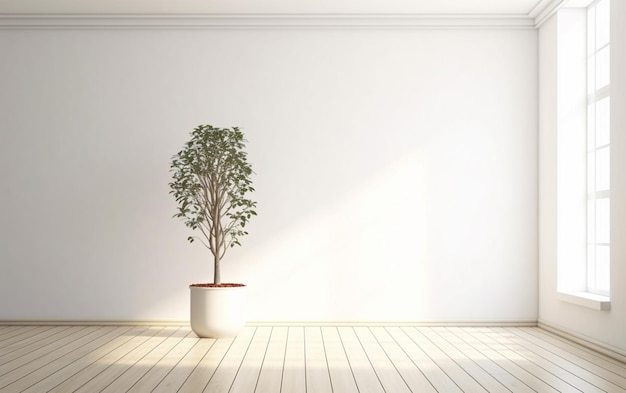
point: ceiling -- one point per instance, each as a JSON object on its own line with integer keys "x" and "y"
{"x": 519, "y": 8}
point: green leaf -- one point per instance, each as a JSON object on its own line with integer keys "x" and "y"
{"x": 212, "y": 169}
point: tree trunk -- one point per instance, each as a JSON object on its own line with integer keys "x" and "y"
{"x": 217, "y": 276}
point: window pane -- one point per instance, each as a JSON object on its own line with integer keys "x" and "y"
{"x": 602, "y": 118}
{"x": 602, "y": 169}
{"x": 591, "y": 30}
{"x": 603, "y": 214}
{"x": 591, "y": 126}
{"x": 603, "y": 268}
{"x": 591, "y": 174}
{"x": 599, "y": 269}
{"x": 591, "y": 222}
{"x": 603, "y": 27}
{"x": 602, "y": 70}
{"x": 591, "y": 74}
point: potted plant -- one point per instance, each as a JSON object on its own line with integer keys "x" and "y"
{"x": 211, "y": 183}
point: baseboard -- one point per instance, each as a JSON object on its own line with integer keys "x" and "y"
{"x": 396, "y": 323}
{"x": 148, "y": 322}
{"x": 93, "y": 322}
{"x": 588, "y": 342}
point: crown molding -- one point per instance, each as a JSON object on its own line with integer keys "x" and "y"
{"x": 538, "y": 8}
{"x": 265, "y": 21}
{"x": 549, "y": 9}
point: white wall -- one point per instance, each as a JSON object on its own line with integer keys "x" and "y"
{"x": 600, "y": 327}
{"x": 396, "y": 171}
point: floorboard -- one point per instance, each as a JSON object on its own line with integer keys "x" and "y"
{"x": 294, "y": 371}
{"x": 271, "y": 374}
{"x": 341, "y": 374}
{"x": 185, "y": 365}
{"x": 301, "y": 359}
{"x": 365, "y": 375}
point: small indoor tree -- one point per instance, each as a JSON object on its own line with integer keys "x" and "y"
{"x": 211, "y": 181}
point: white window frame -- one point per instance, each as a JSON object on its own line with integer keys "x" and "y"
{"x": 598, "y": 227}
{"x": 572, "y": 188}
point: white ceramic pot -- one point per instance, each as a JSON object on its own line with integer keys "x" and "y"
{"x": 217, "y": 312}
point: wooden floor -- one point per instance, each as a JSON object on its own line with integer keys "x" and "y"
{"x": 300, "y": 359}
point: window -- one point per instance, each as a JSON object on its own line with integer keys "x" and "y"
{"x": 583, "y": 143}
{"x": 598, "y": 148}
